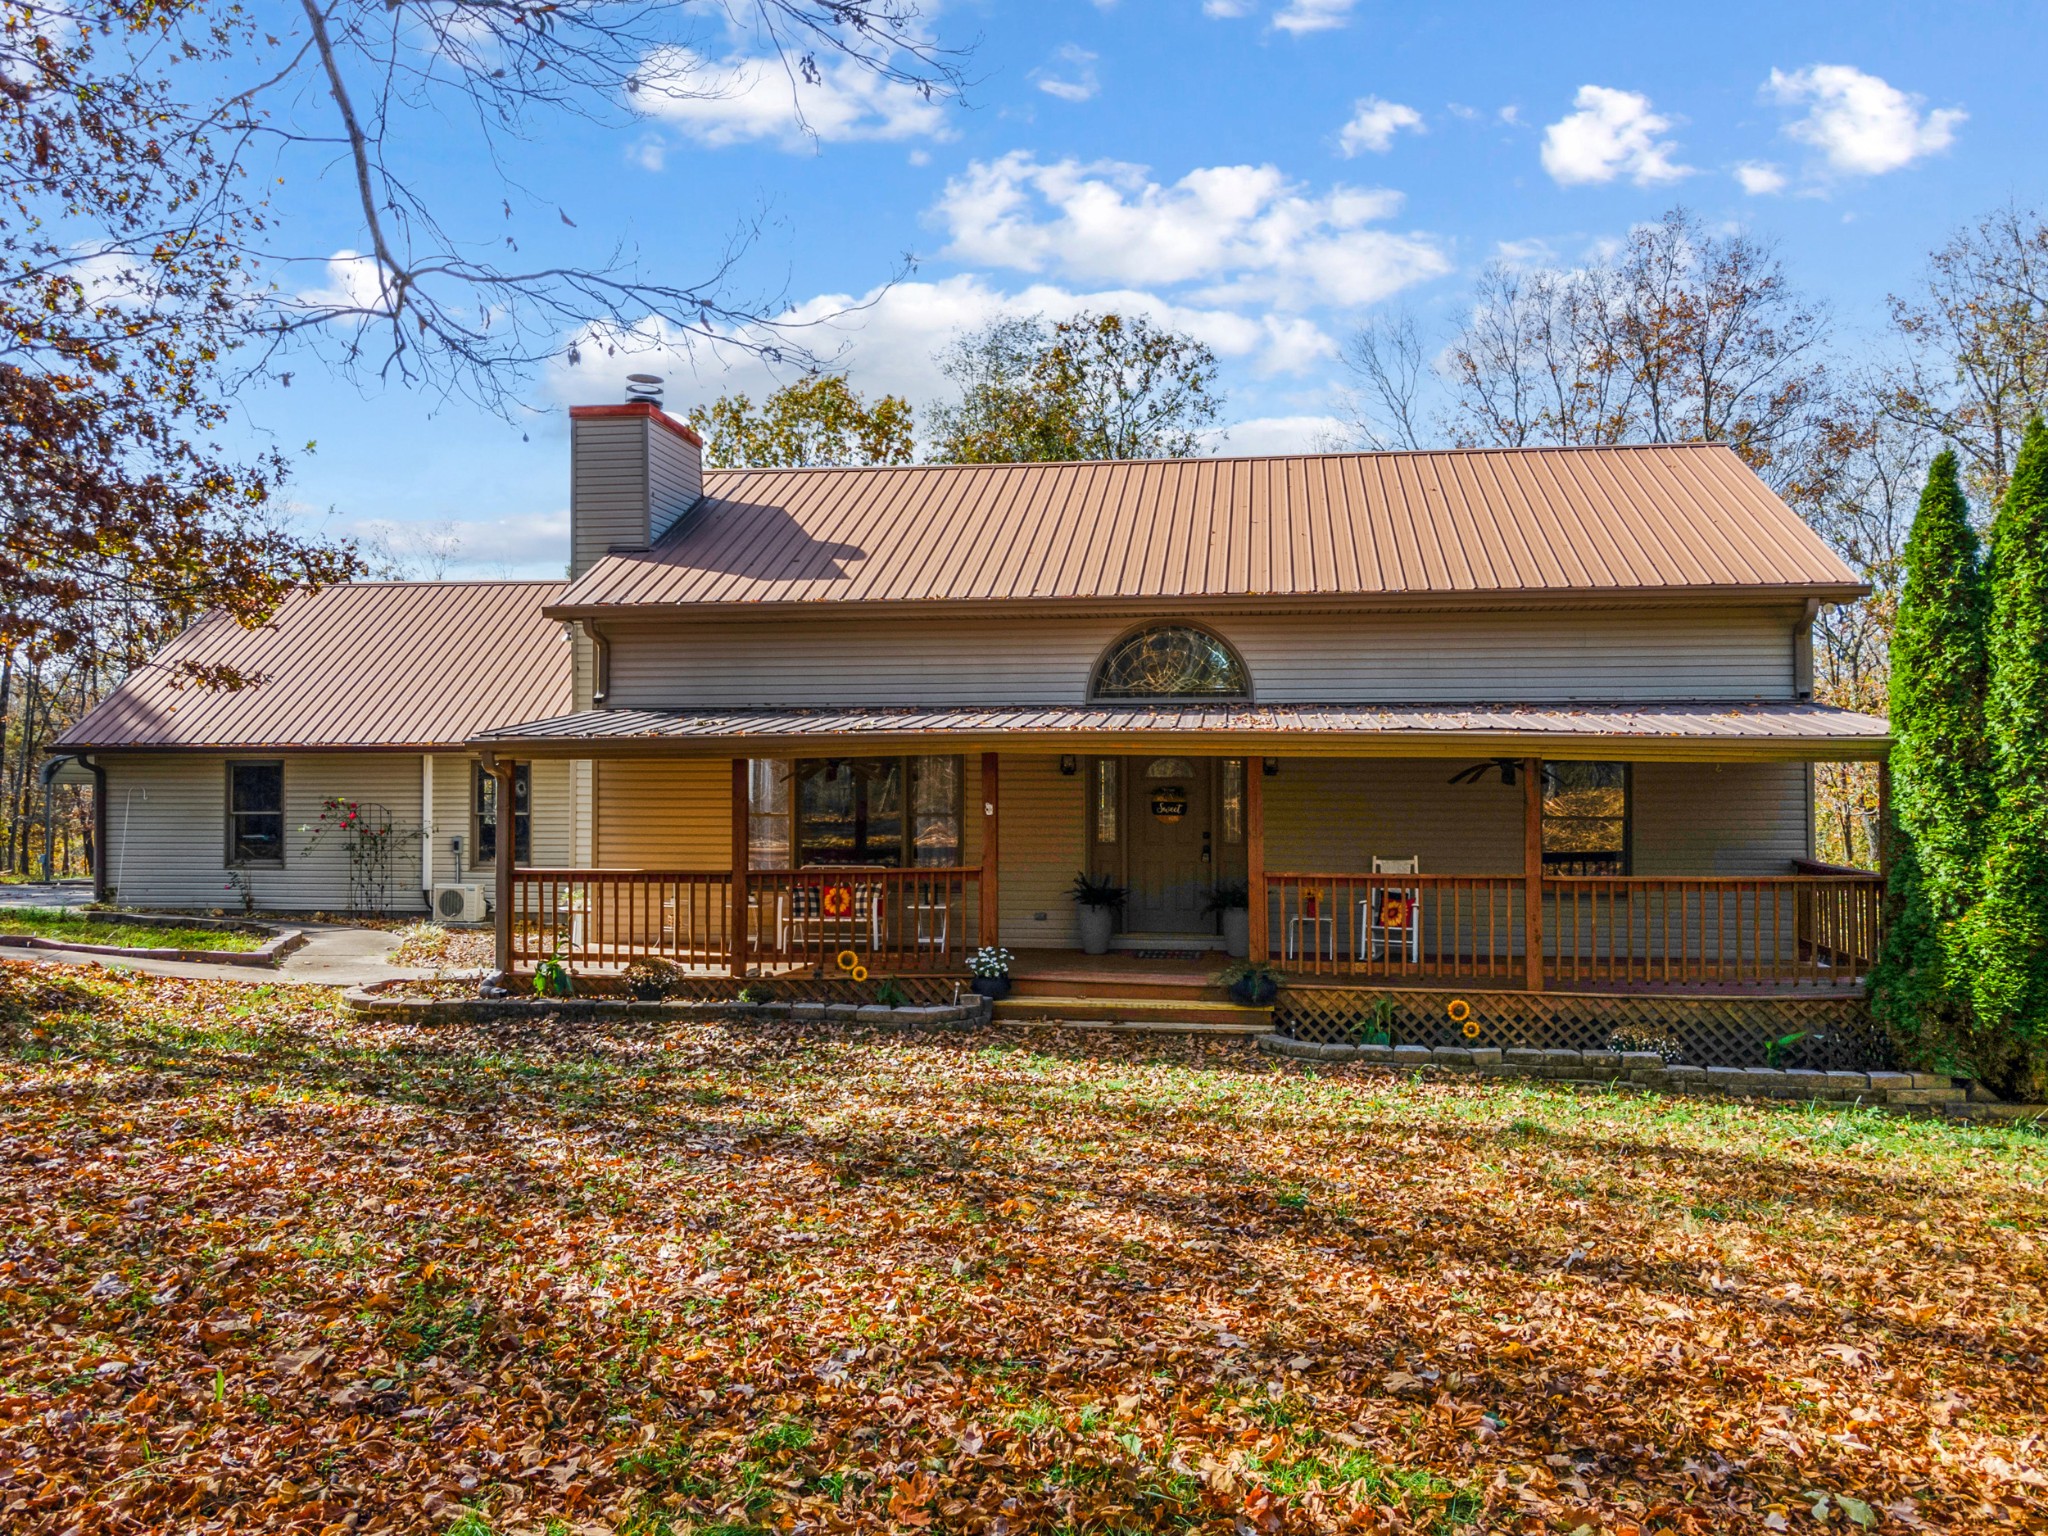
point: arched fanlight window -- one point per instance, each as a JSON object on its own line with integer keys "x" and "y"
{"x": 1171, "y": 661}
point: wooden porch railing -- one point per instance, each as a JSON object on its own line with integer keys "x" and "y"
{"x": 1818, "y": 930}
{"x": 1444, "y": 925}
{"x": 1811, "y": 930}
{"x": 893, "y": 919}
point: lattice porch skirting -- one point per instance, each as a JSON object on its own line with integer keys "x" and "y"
{"x": 1706, "y": 1031}
{"x": 922, "y": 990}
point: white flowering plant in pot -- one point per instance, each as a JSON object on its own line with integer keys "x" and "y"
{"x": 991, "y": 960}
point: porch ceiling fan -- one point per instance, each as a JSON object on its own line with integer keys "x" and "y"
{"x": 1509, "y": 768}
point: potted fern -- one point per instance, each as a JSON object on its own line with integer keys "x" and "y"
{"x": 1254, "y": 983}
{"x": 1231, "y": 902}
{"x": 1097, "y": 899}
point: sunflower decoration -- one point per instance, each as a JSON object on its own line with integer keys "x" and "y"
{"x": 1461, "y": 1015}
{"x": 837, "y": 901}
{"x": 849, "y": 961}
{"x": 1394, "y": 909}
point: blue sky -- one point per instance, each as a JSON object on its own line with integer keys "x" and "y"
{"x": 1263, "y": 173}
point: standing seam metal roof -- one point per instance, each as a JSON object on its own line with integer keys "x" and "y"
{"x": 1655, "y": 519}
{"x": 370, "y": 664}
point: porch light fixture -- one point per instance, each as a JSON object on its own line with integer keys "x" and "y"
{"x": 1270, "y": 767}
{"x": 1069, "y": 765}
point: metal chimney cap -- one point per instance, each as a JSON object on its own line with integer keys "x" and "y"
{"x": 644, "y": 386}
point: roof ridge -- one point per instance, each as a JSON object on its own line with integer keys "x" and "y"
{"x": 1466, "y": 451}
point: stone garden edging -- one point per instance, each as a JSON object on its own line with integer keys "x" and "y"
{"x": 374, "y": 1001}
{"x": 1907, "y": 1092}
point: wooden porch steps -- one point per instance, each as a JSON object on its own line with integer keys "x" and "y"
{"x": 1172, "y": 1015}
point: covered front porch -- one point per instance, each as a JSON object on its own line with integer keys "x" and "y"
{"x": 1671, "y": 863}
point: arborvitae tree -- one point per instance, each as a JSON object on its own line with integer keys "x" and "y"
{"x": 2009, "y": 928}
{"x": 1941, "y": 790}
{"x": 1941, "y": 780}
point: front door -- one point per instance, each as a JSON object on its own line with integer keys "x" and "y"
{"x": 1169, "y": 807}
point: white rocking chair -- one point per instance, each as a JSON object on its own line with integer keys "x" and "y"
{"x": 1378, "y": 940}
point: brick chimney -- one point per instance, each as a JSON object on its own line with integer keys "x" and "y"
{"x": 633, "y": 471}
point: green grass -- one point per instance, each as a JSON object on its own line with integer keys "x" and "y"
{"x": 71, "y": 927}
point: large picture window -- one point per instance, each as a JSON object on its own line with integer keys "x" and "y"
{"x": 884, "y": 812}
{"x": 1171, "y": 661}
{"x": 1585, "y": 818}
{"x": 486, "y": 802}
{"x": 255, "y": 813}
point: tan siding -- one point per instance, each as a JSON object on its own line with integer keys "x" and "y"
{"x": 1043, "y": 816}
{"x": 1335, "y": 815}
{"x": 554, "y": 816}
{"x": 607, "y": 488}
{"x": 1719, "y": 818}
{"x": 1327, "y": 659}
{"x": 675, "y": 476}
{"x": 664, "y": 815}
{"x": 167, "y": 831}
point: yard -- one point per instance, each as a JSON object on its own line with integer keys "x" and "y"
{"x": 66, "y": 926}
{"x": 265, "y": 1268}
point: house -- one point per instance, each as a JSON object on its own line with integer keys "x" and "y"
{"x": 1533, "y": 720}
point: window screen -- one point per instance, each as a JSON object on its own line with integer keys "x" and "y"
{"x": 1585, "y": 818}
{"x": 256, "y": 813}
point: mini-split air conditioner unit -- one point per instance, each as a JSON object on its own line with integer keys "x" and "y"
{"x": 459, "y": 903}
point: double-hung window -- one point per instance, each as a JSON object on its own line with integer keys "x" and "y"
{"x": 486, "y": 803}
{"x": 1585, "y": 818}
{"x": 255, "y": 831}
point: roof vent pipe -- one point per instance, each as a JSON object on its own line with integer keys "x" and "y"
{"x": 644, "y": 386}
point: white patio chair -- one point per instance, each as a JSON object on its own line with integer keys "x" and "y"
{"x": 1378, "y": 941}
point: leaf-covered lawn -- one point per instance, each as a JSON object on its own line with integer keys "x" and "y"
{"x": 262, "y": 1267}
{"x": 72, "y": 927}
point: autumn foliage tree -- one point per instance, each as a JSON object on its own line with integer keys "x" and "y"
{"x": 817, "y": 420}
{"x": 1103, "y": 386}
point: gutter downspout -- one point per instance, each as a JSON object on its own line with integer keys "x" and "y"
{"x": 46, "y": 776}
{"x": 601, "y": 661}
{"x": 99, "y": 826}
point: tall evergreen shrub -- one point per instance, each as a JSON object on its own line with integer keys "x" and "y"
{"x": 1941, "y": 782}
{"x": 2009, "y": 929}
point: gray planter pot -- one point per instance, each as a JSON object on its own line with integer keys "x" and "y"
{"x": 1237, "y": 932}
{"x": 1097, "y": 924}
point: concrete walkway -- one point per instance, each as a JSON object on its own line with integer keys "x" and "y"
{"x": 334, "y": 955}
{"x": 52, "y": 893}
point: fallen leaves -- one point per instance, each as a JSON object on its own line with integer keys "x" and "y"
{"x": 265, "y": 1267}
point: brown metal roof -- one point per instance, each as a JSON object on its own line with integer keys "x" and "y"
{"x": 1568, "y": 522}
{"x": 1630, "y": 730}
{"x": 373, "y": 664}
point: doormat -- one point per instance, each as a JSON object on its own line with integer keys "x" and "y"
{"x": 1168, "y": 954}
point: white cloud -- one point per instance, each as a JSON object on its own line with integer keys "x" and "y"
{"x": 739, "y": 99}
{"x": 1076, "y": 80}
{"x": 516, "y": 545}
{"x": 886, "y": 340}
{"x": 353, "y": 283}
{"x": 1279, "y": 434}
{"x": 1862, "y": 125}
{"x": 1244, "y": 232}
{"x": 1226, "y": 8}
{"x": 1613, "y": 133}
{"x": 1760, "y": 178}
{"x": 1373, "y": 125}
{"x": 1299, "y": 16}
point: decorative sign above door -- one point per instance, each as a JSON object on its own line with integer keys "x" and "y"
{"x": 1169, "y": 802}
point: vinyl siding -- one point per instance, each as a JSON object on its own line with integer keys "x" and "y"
{"x": 655, "y": 814}
{"x": 1044, "y": 844}
{"x": 607, "y": 488}
{"x": 1720, "y": 818}
{"x": 675, "y": 479}
{"x": 1443, "y": 657}
{"x": 167, "y": 831}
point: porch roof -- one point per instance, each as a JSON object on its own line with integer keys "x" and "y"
{"x": 1637, "y": 730}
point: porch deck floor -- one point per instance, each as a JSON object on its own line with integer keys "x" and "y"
{"x": 1076, "y": 969}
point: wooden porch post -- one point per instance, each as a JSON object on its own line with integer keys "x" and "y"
{"x": 1260, "y": 946}
{"x": 507, "y": 852}
{"x": 1884, "y": 817}
{"x": 736, "y": 935}
{"x": 991, "y": 841}
{"x": 1532, "y": 871}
